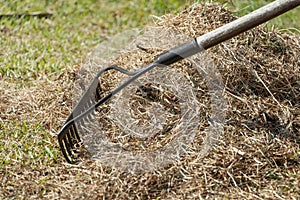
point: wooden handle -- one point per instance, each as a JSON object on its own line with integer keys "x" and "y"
{"x": 246, "y": 22}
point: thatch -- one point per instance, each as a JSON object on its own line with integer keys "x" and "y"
{"x": 256, "y": 157}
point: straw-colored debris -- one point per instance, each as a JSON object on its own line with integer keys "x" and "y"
{"x": 256, "y": 157}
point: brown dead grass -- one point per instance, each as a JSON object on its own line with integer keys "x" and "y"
{"x": 257, "y": 157}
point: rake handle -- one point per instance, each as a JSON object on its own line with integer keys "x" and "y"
{"x": 246, "y": 22}
{"x": 227, "y": 31}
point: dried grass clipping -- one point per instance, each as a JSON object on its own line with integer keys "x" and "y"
{"x": 258, "y": 155}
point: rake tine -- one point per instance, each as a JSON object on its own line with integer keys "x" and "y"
{"x": 75, "y": 133}
{"x": 64, "y": 148}
{"x": 70, "y": 138}
{"x": 69, "y": 143}
{"x": 81, "y": 123}
{"x": 90, "y": 117}
{"x": 97, "y": 95}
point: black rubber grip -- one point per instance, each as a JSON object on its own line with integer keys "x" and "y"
{"x": 178, "y": 53}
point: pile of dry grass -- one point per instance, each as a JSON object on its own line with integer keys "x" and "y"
{"x": 257, "y": 157}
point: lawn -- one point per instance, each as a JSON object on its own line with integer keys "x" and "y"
{"x": 39, "y": 58}
{"x": 75, "y": 28}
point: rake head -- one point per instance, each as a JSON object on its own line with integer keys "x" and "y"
{"x": 68, "y": 137}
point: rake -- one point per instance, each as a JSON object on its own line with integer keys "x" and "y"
{"x": 68, "y": 137}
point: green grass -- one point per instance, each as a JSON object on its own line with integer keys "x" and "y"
{"x": 31, "y": 47}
